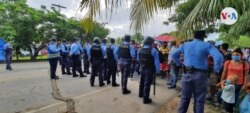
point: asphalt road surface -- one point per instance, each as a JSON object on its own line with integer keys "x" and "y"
{"x": 28, "y": 88}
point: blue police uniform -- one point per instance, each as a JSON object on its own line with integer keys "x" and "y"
{"x": 95, "y": 55}
{"x": 53, "y": 57}
{"x": 148, "y": 58}
{"x": 105, "y": 63}
{"x": 112, "y": 64}
{"x": 125, "y": 53}
{"x": 85, "y": 59}
{"x": 75, "y": 53}
{"x": 8, "y": 55}
{"x": 194, "y": 80}
{"x": 2, "y": 56}
{"x": 64, "y": 49}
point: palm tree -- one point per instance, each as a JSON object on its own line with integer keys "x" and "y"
{"x": 142, "y": 10}
{"x": 205, "y": 13}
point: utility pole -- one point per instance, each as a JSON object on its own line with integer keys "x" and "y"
{"x": 59, "y": 7}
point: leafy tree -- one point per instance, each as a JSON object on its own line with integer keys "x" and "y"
{"x": 30, "y": 29}
{"x": 137, "y": 37}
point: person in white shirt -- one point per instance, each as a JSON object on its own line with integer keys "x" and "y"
{"x": 228, "y": 93}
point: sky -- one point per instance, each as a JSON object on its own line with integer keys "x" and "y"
{"x": 119, "y": 24}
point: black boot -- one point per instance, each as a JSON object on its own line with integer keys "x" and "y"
{"x": 126, "y": 91}
{"x": 147, "y": 101}
{"x": 115, "y": 85}
{"x": 101, "y": 84}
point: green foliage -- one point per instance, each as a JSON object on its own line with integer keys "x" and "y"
{"x": 98, "y": 31}
{"x": 31, "y": 28}
{"x": 137, "y": 37}
{"x": 243, "y": 41}
{"x": 207, "y": 12}
{"x": 118, "y": 40}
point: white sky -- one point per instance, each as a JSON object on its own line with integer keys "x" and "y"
{"x": 119, "y": 23}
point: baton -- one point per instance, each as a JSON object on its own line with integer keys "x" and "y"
{"x": 154, "y": 83}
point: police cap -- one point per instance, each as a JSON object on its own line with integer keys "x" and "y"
{"x": 96, "y": 40}
{"x": 127, "y": 38}
{"x": 148, "y": 41}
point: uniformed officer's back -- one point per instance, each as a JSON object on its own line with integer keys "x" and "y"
{"x": 197, "y": 52}
{"x": 96, "y": 52}
{"x": 124, "y": 51}
{"x": 146, "y": 58}
{"x": 194, "y": 78}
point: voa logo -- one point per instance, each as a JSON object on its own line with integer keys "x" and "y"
{"x": 229, "y": 16}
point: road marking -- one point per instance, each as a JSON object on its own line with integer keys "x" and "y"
{"x": 55, "y": 104}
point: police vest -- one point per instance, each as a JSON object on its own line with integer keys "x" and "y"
{"x": 96, "y": 52}
{"x": 110, "y": 53}
{"x": 124, "y": 51}
{"x": 64, "y": 54}
{"x": 146, "y": 58}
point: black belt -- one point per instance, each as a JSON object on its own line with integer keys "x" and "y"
{"x": 188, "y": 69}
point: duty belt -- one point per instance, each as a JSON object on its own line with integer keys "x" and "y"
{"x": 190, "y": 69}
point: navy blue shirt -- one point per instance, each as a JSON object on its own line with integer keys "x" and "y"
{"x": 89, "y": 51}
{"x": 131, "y": 49}
{"x": 155, "y": 54}
{"x": 64, "y": 48}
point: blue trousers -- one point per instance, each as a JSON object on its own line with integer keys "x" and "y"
{"x": 96, "y": 70}
{"x": 193, "y": 84}
{"x": 105, "y": 69}
{"x": 65, "y": 64}
{"x": 145, "y": 83}
{"x": 53, "y": 65}
{"x": 133, "y": 64}
{"x": 112, "y": 69}
{"x": 8, "y": 59}
{"x": 174, "y": 71}
{"x": 125, "y": 66}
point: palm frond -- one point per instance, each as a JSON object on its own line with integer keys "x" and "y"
{"x": 207, "y": 12}
{"x": 143, "y": 10}
{"x": 242, "y": 25}
{"x": 94, "y": 6}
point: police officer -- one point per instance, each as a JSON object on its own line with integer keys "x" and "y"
{"x": 148, "y": 58}
{"x": 75, "y": 54}
{"x": 112, "y": 65}
{"x": 85, "y": 57}
{"x": 8, "y": 55}
{"x": 96, "y": 55}
{"x": 53, "y": 57}
{"x": 125, "y": 53}
{"x": 104, "y": 65}
{"x": 194, "y": 78}
{"x": 64, "y": 50}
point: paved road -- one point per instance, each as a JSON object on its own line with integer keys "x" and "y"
{"x": 27, "y": 89}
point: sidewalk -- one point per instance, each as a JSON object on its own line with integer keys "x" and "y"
{"x": 111, "y": 100}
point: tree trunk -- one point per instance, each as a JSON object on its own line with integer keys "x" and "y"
{"x": 37, "y": 50}
{"x": 31, "y": 54}
{"x": 17, "y": 53}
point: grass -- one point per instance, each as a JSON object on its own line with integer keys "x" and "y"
{"x": 22, "y": 58}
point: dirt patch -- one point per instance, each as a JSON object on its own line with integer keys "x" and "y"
{"x": 172, "y": 107}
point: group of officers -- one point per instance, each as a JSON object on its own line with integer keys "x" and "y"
{"x": 104, "y": 59}
{"x": 195, "y": 68}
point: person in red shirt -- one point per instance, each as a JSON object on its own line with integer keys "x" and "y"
{"x": 238, "y": 67}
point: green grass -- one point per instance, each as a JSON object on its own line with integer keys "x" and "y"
{"x": 28, "y": 58}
